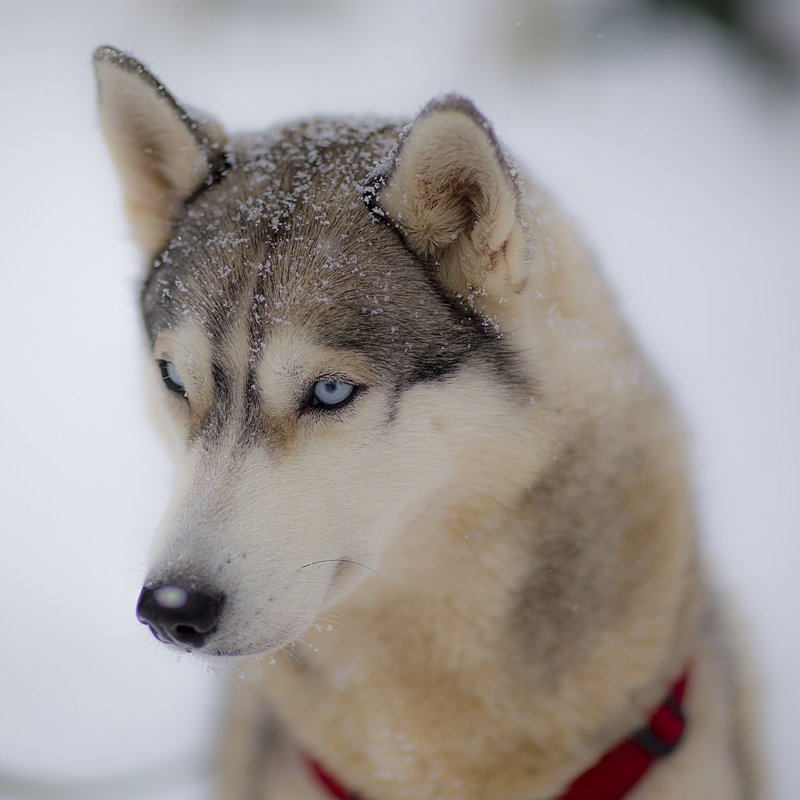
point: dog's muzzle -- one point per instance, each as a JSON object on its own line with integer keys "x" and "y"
{"x": 177, "y": 615}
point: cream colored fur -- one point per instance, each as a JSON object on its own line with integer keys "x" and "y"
{"x": 529, "y": 585}
{"x": 160, "y": 163}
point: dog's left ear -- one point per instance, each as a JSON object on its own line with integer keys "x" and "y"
{"x": 451, "y": 193}
{"x": 163, "y": 153}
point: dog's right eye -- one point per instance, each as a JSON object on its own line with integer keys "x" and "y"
{"x": 331, "y": 394}
{"x": 172, "y": 379}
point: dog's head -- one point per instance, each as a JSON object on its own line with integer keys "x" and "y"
{"x": 328, "y": 310}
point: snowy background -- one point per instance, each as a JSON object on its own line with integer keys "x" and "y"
{"x": 677, "y": 156}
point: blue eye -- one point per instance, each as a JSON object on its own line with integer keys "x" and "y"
{"x": 331, "y": 394}
{"x": 172, "y": 379}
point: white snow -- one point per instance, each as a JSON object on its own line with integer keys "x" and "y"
{"x": 682, "y": 169}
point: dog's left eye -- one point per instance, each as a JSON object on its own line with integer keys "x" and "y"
{"x": 172, "y": 378}
{"x": 329, "y": 394}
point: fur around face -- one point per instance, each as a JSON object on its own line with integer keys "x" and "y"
{"x": 480, "y": 574}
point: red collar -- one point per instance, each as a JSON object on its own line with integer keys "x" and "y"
{"x": 613, "y": 776}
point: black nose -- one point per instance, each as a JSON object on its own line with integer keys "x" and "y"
{"x": 177, "y": 615}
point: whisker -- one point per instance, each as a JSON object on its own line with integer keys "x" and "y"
{"x": 127, "y": 570}
{"x": 273, "y": 661}
{"x": 316, "y": 649}
{"x": 339, "y": 619}
{"x": 291, "y": 659}
{"x": 341, "y": 561}
{"x": 342, "y": 626}
{"x": 177, "y": 343}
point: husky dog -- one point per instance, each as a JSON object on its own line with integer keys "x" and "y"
{"x": 427, "y": 474}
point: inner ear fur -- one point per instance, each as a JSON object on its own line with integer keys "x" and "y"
{"x": 162, "y": 153}
{"x": 449, "y": 190}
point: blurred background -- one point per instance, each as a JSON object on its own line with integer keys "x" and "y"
{"x": 669, "y": 129}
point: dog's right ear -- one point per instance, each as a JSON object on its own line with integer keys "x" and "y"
{"x": 162, "y": 152}
{"x": 450, "y": 191}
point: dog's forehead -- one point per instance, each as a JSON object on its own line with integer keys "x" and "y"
{"x": 286, "y": 221}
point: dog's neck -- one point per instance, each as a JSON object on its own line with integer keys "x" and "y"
{"x": 612, "y": 777}
{"x": 462, "y": 657}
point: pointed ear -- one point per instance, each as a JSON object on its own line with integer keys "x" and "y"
{"x": 161, "y": 152}
{"x": 450, "y": 191}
